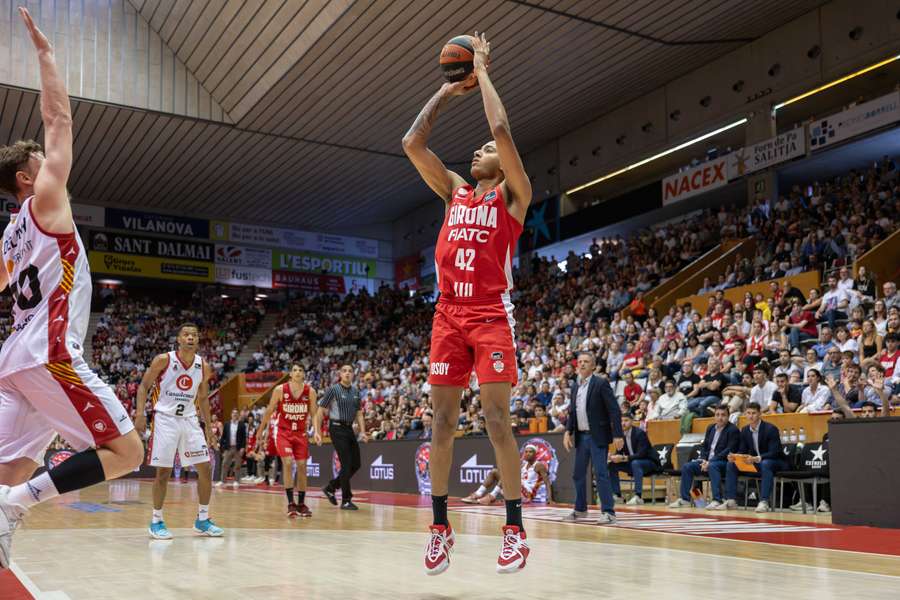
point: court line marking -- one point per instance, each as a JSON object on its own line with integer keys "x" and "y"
{"x": 32, "y": 588}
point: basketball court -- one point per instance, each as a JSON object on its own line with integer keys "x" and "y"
{"x": 94, "y": 546}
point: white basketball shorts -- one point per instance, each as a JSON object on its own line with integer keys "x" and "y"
{"x": 63, "y": 397}
{"x": 177, "y": 434}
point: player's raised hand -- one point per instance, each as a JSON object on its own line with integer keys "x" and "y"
{"x": 40, "y": 41}
{"x": 482, "y": 49}
{"x": 460, "y": 88}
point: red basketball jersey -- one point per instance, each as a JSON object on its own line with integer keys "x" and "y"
{"x": 293, "y": 412}
{"x": 474, "y": 252}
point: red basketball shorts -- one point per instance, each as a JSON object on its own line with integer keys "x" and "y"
{"x": 464, "y": 337}
{"x": 292, "y": 443}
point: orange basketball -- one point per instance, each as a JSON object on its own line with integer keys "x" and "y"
{"x": 456, "y": 58}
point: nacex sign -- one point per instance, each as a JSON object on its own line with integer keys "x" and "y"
{"x": 708, "y": 176}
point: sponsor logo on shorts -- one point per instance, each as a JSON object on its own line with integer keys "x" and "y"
{"x": 99, "y": 426}
{"x": 87, "y": 406}
{"x": 381, "y": 470}
{"x": 498, "y": 366}
{"x": 184, "y": 382}
{"x": 471, "y": 472}
{"x": 440, "y": 368}
{"x": 196, "y": 453}
{"x": 496, "y": 356}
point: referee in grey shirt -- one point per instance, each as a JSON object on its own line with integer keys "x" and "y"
{"x": 343, "y": 404}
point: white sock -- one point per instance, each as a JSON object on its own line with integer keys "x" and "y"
{"x": 157, "y": 516}
{"x": 481, "y": 491}
{"x": 32, "y": 492}
{"x": 203, "y": 513}
{"x": 496, "y": 492}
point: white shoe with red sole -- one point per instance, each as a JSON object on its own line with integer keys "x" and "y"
{"x": 439, "y": 548}
{"x": 514, "y": 551}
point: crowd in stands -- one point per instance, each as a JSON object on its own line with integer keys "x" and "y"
{"x": 790, "y": 349}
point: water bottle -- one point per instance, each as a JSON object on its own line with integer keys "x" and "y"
{"x": 793, "y": 438}
{"x": 802, "y": 435}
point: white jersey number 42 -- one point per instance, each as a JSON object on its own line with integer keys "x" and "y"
{"x": 464, "y": 259}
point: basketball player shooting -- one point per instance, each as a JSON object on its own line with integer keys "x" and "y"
{"x": 46, "y": 387}
{"x": 180, "y": 383}
{"x": 293, "y": 401}
{"x": 473, "y": 324}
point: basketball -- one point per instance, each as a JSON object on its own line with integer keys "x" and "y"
{"x": 456, "y": 58}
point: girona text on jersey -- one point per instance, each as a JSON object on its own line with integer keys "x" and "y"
{"x": 473, "y": 256}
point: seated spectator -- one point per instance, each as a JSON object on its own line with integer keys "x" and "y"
{"x": 686, "y": 379}
{"x": 891, "y": 297}
{"x": 815, "y": 397}
{"x": 831, "y": 364}
{"x": 722, "y": 439}
{"x": 787, "y": 397}
{"x": 545, "y": 396}
{"x": 670, "y": 405}
{"x": 890, "y": 361}
{"x": 632, "y": 391}
{"x": 635, "y": 456}
{"x": 801, "y": 325}
{"x": 736, "y": 396}
{"x": 825, "y": 342}
{"x": 865, "y": 283}
{"x": 835, "y": 303}
{"x": 709, "y": 390}
{"x": 869, "y": 341}
{"x": 633, "y": 361}
{"x": 760, "y": 441}
{"x": 786, "y": 364}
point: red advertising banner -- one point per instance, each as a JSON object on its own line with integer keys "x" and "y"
{"x": 310, "y": 282}
{"x": 406, "y": 272}
{"x": 257, "y": 383}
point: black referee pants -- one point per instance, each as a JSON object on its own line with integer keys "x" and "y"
{"x": 347, "y": 448}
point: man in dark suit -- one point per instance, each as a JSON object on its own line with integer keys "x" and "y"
{"x": 762, "y": 442}
{"x": 722, "y": 439}
{"x": 594, "y": 422}
{"x": 233, "y": 445}
{"x": 635, "y": 457}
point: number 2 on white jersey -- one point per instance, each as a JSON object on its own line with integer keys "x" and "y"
{"x": 464, "y": 259}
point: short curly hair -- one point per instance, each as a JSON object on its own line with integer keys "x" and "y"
{"x": 13, "y": 159}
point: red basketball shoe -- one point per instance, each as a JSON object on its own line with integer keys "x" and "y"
{"x": 514, "y": 551}
{"x": 293, "y": 510}
{"x": 304, "y": 511}
{"x": 438, "y": 550}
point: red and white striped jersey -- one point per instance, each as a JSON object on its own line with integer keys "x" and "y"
{"x": 50, "y": 282}
{"x": 473, "y": 256}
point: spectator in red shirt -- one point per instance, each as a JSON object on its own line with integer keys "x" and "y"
{"x": 801, "y": 325}
{"x": 632, "y": 391}
{"x": 633, "y": 360}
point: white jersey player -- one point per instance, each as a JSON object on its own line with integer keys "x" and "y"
{"x": 180, "y": 383}
{"x": 46, "y": 387}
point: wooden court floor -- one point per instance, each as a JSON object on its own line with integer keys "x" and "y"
{"x": 94, "y": 546}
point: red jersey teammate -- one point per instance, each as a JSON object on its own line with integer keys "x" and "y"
{"x": 293, "y": 401}
{"x": 46, "y": 386}
{"x": 473, "y": 322}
